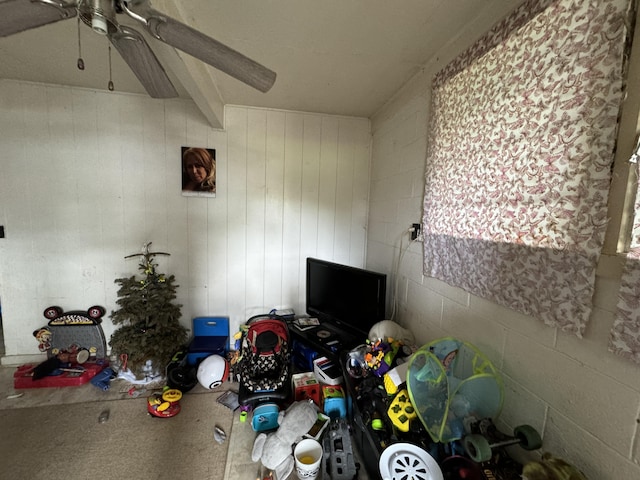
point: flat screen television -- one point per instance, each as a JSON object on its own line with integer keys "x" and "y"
{"x": 349, "y": 297}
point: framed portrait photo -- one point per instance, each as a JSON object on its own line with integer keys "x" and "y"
{"x": 198, "y": 172}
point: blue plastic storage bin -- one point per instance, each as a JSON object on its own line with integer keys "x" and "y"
{"x": 210, "y": 337}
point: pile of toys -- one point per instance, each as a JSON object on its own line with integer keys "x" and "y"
{"x": 76, "y": 354}
{"x": 434, "y": 406}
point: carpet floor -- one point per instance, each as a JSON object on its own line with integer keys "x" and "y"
{"x": 56, "y": 434}
{"x": 62, "y": 442}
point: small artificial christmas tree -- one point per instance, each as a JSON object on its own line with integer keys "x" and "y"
{"x": 149, "y": 320}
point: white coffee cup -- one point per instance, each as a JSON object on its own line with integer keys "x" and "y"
{"x": 308, "y": 455}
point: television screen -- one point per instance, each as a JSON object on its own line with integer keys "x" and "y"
{"x": 351, "y": 297}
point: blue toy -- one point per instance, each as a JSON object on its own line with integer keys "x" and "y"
{"x": 103, "y": 379}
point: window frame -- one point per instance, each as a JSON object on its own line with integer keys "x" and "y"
{"x": 622, "y": 191}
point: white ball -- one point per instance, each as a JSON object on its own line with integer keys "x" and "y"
{"x": 212, "y": 371}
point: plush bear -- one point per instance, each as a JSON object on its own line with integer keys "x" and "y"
{"x": 275, "y": 450}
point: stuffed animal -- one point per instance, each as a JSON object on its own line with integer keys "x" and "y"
{"x": 551, "y": 468}
{"x": 386, "y": 329}
{"x": 275, "y": 450}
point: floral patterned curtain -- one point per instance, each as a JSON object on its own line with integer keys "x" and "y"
{"x": 521, "y": 143}
{"x": 625, "y": 334}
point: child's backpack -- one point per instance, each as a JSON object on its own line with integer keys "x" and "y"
{"x": 264, "y": 363}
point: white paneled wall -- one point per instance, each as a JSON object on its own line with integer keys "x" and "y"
{"x": 87, "y": 177}
{"x": 584, "y": 400}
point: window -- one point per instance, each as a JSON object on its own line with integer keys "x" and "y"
{"x": 521, "y": 145}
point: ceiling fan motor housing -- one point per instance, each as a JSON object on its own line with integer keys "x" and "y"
{"x": 100, "y": 15}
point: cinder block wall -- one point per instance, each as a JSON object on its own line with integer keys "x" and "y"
{"x": 584, "y": 400}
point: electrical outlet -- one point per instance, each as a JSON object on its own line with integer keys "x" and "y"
{"x": 415, "y": 231}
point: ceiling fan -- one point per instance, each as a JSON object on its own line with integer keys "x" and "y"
{"x": 20, "y": 15}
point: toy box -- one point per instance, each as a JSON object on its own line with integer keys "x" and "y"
{"x": 306, "y": 386}
{"x": 326, "y": 371}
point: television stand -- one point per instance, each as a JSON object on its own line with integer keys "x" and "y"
{"x": 326, "y": 339}
{"x": 309, "y": 344}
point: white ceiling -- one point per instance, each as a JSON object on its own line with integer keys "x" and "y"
{"x": 344, "y": 57}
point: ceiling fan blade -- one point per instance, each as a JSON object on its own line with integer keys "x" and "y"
{"x": 145, "y": 65}
{"x": 210, "y": 51}
{"x": 20, "y": 15}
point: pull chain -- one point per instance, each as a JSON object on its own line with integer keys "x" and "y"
{"x": 80, "y": 60}
{"x": 110, "y": 79}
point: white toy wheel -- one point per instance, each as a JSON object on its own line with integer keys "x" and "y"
{"x": 404, "y": 460}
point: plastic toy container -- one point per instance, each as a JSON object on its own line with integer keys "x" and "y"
{"x": 210, "y": 337}
{"x": 450, "y": 382}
